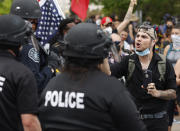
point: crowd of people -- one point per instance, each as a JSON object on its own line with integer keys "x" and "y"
{"x": 101, "y": 74}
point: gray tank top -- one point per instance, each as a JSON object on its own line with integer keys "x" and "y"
{"x": 173, "y": 55}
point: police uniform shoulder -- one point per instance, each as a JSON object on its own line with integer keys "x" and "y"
{"x": 58, "y": 78}
{"x": 111, "y": 83}
{"x": 20, "y": 68}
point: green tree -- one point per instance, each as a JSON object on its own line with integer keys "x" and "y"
{"x": 5, "y": 6}
{"x": 153, "y": 8}
{"x": 156, "y": 9}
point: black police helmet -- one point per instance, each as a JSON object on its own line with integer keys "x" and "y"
{"x": 86, "y": 40}
{"x": 14, "y": 30}
{"x": 27, "y": 9}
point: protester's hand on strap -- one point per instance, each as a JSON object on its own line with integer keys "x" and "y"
{"x": 53, "y": 61}
{"x": 151, "y": 88}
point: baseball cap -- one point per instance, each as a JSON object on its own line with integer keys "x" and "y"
{"x": 106, "y": 20}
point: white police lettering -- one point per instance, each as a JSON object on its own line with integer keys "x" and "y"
{"x": 72, "y": 104}
{"x": 33, "y": 54}
{"x": 64, "y": 99}
{"x": 61, "y": 103}
{"x": 2, "y": 80}
{"x": 54, "y": 99}
{"x": 79, "y": 101}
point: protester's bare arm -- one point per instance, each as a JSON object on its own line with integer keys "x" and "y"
{"x": 30, "y": 122}
{"x": 168, "y": 94}
{"x": 177, "y": 71}
{"x": 130, "y": 28}
{"x": 126, "y": 20}
{"x": 166, "y": 50}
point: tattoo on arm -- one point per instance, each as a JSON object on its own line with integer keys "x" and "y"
{"x": 126, "y": 18}
{"x": 168, "y": 94}
{"x": 129, "y": 12}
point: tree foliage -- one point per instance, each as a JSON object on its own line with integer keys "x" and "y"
{"x": 5, "y": 6}
{"x": 153, "y": 8}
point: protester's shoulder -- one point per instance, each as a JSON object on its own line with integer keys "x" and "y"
{"x": 161, "y": 57}
{"x": 132, "y": 56}
{"x": 126, "y": 58}
{"x": 129, "y": 57}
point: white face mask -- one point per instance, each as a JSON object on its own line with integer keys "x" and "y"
{"x": 142, "y": 53}
{"x": 175, "y": 40}
{"x": 98, "y": 22}
{"x": 108, "y": 30}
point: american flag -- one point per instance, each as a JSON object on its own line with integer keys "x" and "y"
{"x": 49, "y": 21}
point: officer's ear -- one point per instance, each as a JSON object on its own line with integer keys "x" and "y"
{"x": 104, "y": 67}
{"x": 20, "y": 48}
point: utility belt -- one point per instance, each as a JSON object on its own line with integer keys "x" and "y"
{"x": 157, "y": 115}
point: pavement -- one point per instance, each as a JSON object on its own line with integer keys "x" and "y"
{"x": 176, "y": 124}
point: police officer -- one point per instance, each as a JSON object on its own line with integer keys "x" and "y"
{"x": 34, "y": 56}
{"x": 150, "y": 79}
{"x": 57, "y": 42}
{"x": 83, "y": 97}
{"x": 18, "y": 91}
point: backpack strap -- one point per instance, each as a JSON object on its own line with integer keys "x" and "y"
{"x": 162, "y": 67}
{"x": 131, "y": 68}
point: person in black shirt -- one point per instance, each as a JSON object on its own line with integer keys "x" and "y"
{"x": 150, "y": 79}
{"x": 18, "y": 89}
{"x": 84, "y": 97}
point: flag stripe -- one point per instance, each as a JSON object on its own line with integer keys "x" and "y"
{"x": 59, "y": 8}
{"x": 50, "y": 20}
